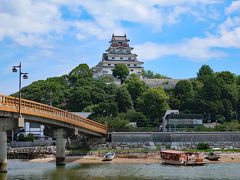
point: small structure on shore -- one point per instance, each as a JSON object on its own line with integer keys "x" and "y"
{"x": 181, "y": 158}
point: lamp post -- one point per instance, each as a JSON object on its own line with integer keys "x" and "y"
{"x": 25, "y": 76}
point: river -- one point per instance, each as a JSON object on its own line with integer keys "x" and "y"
{"x": 24, "y": 170}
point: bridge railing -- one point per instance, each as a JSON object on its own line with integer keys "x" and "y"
{"x": 59, "y": 114}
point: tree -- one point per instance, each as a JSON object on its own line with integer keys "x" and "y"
{"x": 227, "y": 113}
{"x": 196, "y": 85}
{"x": 238, "y": 80}
{"x": 135, "y": 87}
{"x": 184, "y": 93}
{"x": 111, "y": 91}
{"x": 104, "y": 110}
{"x": 182, "y": 87}
{"x": 79, "y": 99}
{"x": 113, "y": 122}
{"x": 121, "y": 72}
{"x": 230, "y": 92}
{"x": 81, "y": 71}
{"x": 106, "y": 78}
{"x": 138, "y": 117}
{"x": 203, "y": 72}
{"x": 160, "y": 76}
{"x": 150, "y": 75}
{"x": 153, "y": 104}
{"x": 227, "y": 77}
{"x": 212, "y": 89}
{"x": 123, "y": 99}
{"x": 51, "y": 91}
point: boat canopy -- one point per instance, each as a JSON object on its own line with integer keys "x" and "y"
{"x": 174, "y": 152}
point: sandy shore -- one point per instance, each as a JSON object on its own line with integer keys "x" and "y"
{"x": 226, "y": 157}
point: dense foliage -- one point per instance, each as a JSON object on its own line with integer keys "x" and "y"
{"x": 203, "y": 146}
{"x": 216, "y": 95}
{"x": 121, "y": 72}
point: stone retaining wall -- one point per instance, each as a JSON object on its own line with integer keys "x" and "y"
{"x": 30, "y": 152}
{"x": 181, "y": 140}
{"x": 125, "y": 146}
{"x": 18, "y": 144}
{"x": 165, "y": 83}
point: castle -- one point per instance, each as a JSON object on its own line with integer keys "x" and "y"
{"x": 119, "y": 52}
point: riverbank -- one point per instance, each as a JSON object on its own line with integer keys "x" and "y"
{"x": 134, "y": 158}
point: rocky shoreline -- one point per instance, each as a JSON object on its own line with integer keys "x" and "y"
{"x": 30, "y": 152}
{"x": 47, "y": 154}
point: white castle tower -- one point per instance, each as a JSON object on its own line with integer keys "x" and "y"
{"x": 119, "y": 52}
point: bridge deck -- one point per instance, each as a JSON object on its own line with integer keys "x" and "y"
{"x": 11, "y": 104}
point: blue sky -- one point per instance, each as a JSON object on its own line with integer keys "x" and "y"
{"x": 173, "y": 38}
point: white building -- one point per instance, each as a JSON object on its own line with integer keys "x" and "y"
{"x": 173, "y": 121}
{"x": 35, "y": 129}
{"x": 119, "y": 52}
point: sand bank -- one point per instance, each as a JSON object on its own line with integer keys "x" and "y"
{"x": 225, "y": 157}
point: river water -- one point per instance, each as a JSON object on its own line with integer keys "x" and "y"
{"x": 20, "y": 169}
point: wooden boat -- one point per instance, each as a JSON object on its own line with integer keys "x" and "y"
{"x": 181, "y": 158}
{"x": 109, "y": 156}
{"x": 212, "y": 157}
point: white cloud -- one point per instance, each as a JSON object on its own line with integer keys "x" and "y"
{"x": 235, "y": 6}
{"x": 25, "y": 21}
{"x": 190, "y": 50}
{"x": 30, "y": 22}
{"x": 197, "y": 49}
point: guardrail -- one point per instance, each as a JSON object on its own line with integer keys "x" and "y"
{"x": 9, "y": 103}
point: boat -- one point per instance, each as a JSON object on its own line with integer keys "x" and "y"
{"x": 109, "y": 156}
{"x": 181, "y": 158}
{"x": 212, "y": 157}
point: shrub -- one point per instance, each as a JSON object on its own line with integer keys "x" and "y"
{"x": 29, "y": 137}
{"x": 21, "y": 137}
{"x": 203, "y": 146}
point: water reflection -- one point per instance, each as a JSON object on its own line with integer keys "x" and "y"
{"x": 3, "y": 176}
{"x": 48, "y": 171}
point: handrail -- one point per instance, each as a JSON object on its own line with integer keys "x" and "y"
{"x": 55, "y": 113}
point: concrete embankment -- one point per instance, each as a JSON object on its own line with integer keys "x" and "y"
{"x": 180, "y": 140}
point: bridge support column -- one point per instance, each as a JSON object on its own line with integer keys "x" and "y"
{"x": 3, "y": 152}
{"x": 60, "y": 146}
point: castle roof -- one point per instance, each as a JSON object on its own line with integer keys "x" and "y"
{"x": 119, "y": 38}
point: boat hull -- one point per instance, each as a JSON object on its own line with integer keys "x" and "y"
{"x": 187, "y": 163}
{"x": 108, "y": 156}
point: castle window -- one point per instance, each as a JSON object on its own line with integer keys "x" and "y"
{"x": 131, "y": 69}
{"x": 109, "y": 64}
{"x": 121, "y": 58}
{"x": 128, "y": 64}
{"x": 129, "y": 58}
{"x": 135, "y": 65}
{"x": 113, "y": 57}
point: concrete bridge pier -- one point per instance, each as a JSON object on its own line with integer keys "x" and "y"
{"x": 3, "y": 151}
{"x": 60, "y": 146}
